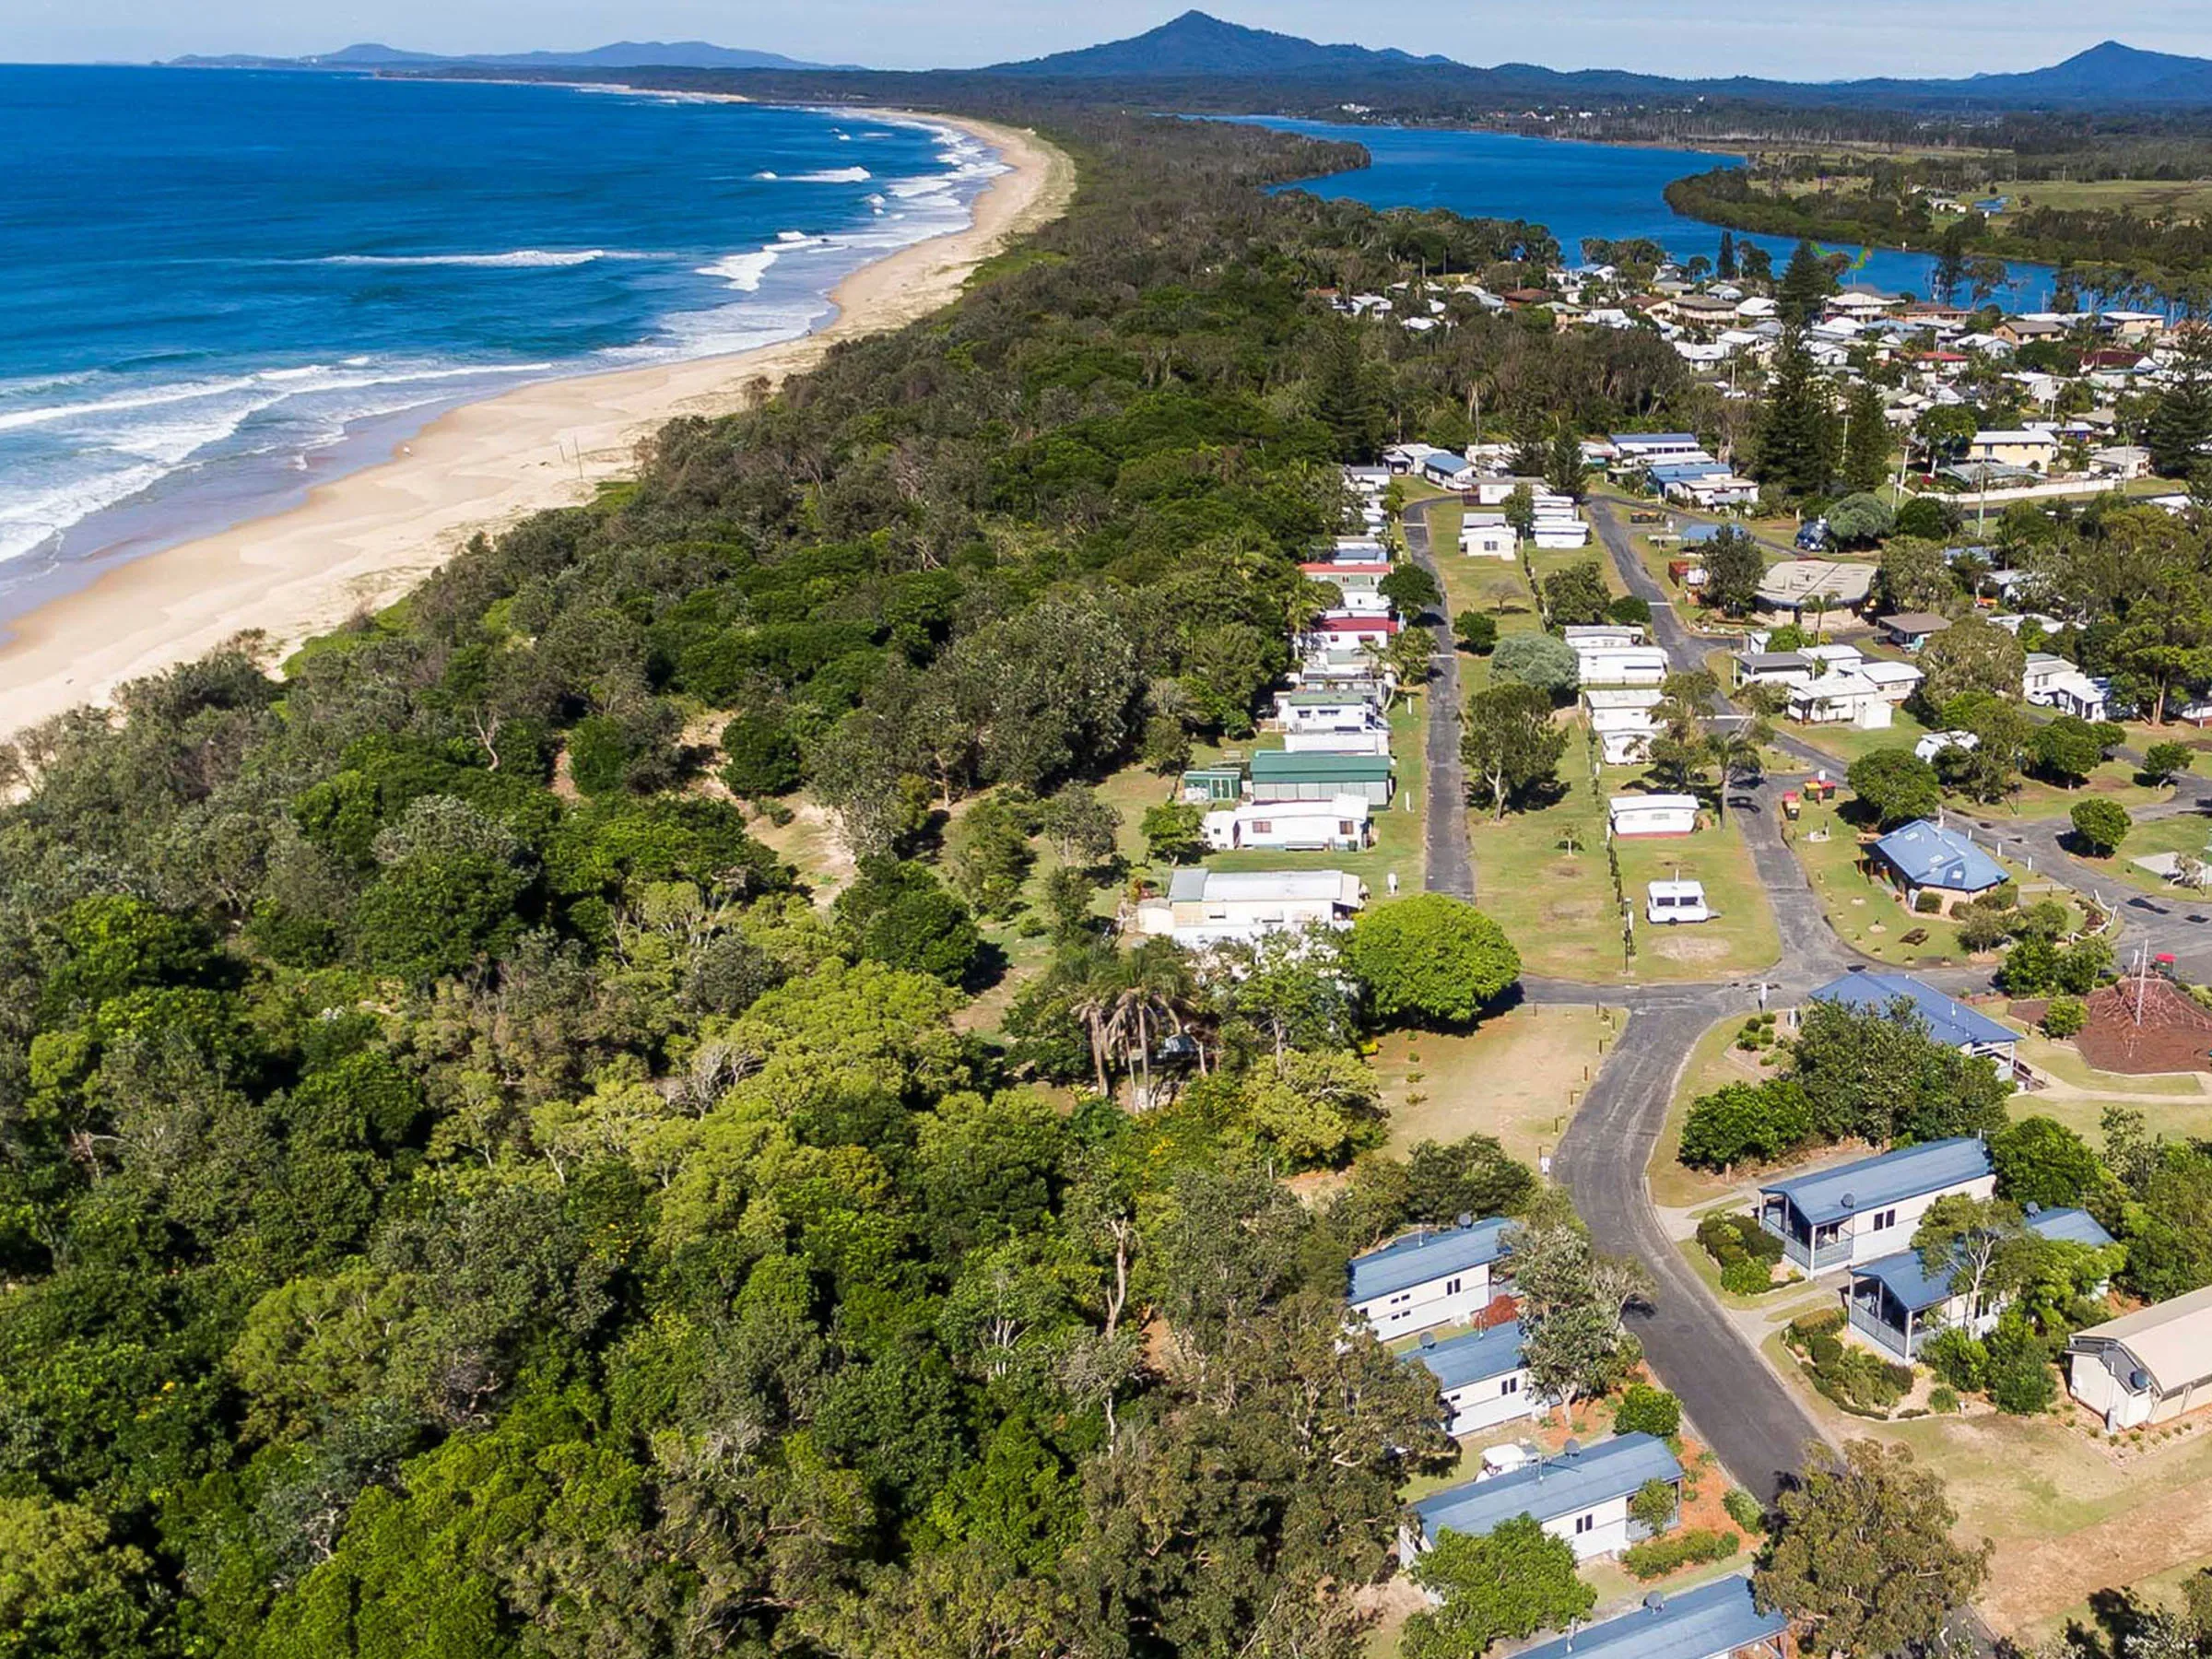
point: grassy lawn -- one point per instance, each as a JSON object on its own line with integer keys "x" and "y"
{"x": 2172, "y": 198}
{"x": 1714, "y": 1062}
{"x": 1868, "y": 913}
{"x": 2114, "y": 780}
{"x": 1558, "y": 907}
{"x": 1847, "y": 743}
{"x": 2188, "y": 833}
{"x": 1518, "y": 1077}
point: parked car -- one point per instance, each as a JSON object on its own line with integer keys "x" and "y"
{"x": 1814, "y": 536}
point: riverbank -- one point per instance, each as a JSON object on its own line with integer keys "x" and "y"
{"x": 360, "y": 542}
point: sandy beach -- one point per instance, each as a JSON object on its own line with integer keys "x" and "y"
{"x": 362, "y": 541}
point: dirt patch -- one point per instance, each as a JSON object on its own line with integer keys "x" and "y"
{"x": 1687, "y": 947}
{"x": 1572, "y": 910}
{"x": 2137, "y": 1028}
{"x": 811, "y": 842}
{"x": 2030, "y": 1584}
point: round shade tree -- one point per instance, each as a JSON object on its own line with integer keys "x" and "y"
{"x": 2099, "y": 826}
{"x": 1896, "y": 784}
{"x": 1430, "y": 959}
{"x": 1537, "y": 659}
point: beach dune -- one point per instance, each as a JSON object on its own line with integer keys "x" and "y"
{"x": 360, "y": 542}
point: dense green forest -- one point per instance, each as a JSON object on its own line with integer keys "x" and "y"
{"x": 458, "y": 1194}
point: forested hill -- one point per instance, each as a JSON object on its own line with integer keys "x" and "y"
{"x": 459, "y": 1196}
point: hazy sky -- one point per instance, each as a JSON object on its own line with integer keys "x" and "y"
{"x": 1696, "y": 37}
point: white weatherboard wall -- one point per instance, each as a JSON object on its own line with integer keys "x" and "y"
{"x": 1883, "y": 1230}
{"x": 1451, "y": 1298}
{"x": 1489, "y": 1401}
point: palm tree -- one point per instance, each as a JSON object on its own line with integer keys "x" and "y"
{"x": 1739, "y": 753}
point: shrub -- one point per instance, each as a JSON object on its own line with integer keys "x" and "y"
{"x": 1826, "y": 1321}
{"x": 1927, "y": 904}
{"x": 2163, "y": 762}
{"x": 1942, "y": 1400}
{"x": 1855, "y": 1380}
{"x": 1660, "y": 1556}
{"x": 1653, "y": 1505}
{"x": 1748, "y": 1278}
{"x": 1825, "y": 1350}
{"x": 1982, "y": 929}
{"x": 1958, "y": 1359}
{"x": 2100, "y": 826}
{"x": 1745, "y": 1510}
{"x": 1647, "y": 1410}
{"x": 2065, "y": 1016}
{"x": 1730, "y": 1238}
{"x": 1477, "y": 633}
{"x": 2023, "y": 1385}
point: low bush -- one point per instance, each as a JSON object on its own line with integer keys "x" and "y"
{"x": 1927, "y": 904}
{"x": 1826, "y": 1322}
{"x": 1730, "y": 1238}
{"x": 1942, "y": 1400}
{"x": 1659, "y": 1556}
{"x": 1647, "y": 1410}
{"x": 1825, "y": 1350}
{"x": 1960, "y": 1360}
{"x": 1855, "y": 1380}
{"x": 1745, "y": 1510}
{"x": 2065, "y": 1016}
{"x": 1747, "y": 1276}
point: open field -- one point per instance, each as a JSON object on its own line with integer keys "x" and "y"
{"x": 2176, "y": 198}
{"x": 1518, "y": 1075}
{"x": 1558, "y": 905}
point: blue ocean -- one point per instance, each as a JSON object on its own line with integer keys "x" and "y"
{"x": 1579, "y": 190}
{"x": 223, "y": 286}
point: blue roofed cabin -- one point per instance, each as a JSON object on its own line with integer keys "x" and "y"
{"x": 1479, "y": 1376}
{"x": 1582, "y": 1495}
{"x": 1949, "y": 1021}
{"x": 1719, "y": 1620}
{"x": 1925, "y": 857}
{"x": 1898, "y": 1301}
{"x": 1431, "y": 1277}
{"x": 1861, "y": 1211}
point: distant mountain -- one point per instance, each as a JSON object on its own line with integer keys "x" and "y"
{"x": 1198, "y": 47}
{"x": 1197, "y": 44}
{"x": 622, "y": 55}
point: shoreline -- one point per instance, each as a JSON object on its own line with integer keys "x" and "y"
{"x": 360, "y": 541}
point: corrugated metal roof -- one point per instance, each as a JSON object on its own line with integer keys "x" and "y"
{"x": 1916, "y": 1285}
{"x": 2172, "y": 1339}
{"x": 1428, "y": 1254}
{"x": 1460, "y": 1361}
{"x": 1951, "y": 1023}
{"x": 1928, "y": 854}
{"x": 1282, "y": 765}
{"x": 1906, "y": 1173}
{"x": 1556, "y": 1487}
{"x": 1709, "y": 1622}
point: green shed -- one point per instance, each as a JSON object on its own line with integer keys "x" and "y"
{"x": 1279, "y": 775}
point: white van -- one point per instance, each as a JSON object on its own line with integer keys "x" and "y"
{"x": 1673, "y": 902}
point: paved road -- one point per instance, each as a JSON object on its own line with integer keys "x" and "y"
{"x": 1755, "y": 1425}
{"x": 1449, "y": 863}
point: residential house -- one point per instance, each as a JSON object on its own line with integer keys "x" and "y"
{"x": 1341, "y": 710}
{"x": 1800, "y": 587}
{"x": 1834, "y": 659}
{"x": 2020, "y": 330}
{"x": 1898, "y": 1301}
{"x": 1621, "y": 665}
{"x": 1342, "y": 823}
{"x": 2145, "y": 1367}
{"x": 1325, "y": 633}
{"x": 1719, "y": 1620}
{"x": 1348, "y": 576}
{"x": 1447, "y": 471}
{"x": 1580, "y": 1496}
{"x": 1479, "y": 1377}
{"x": 2033, "y": 448}
{"x": 1925, "y": 857}
{"x": 1909, "y": 630}
{"x": 1280, "y": 776}
{"x": 1579, "y": 635}
{"x": 1203, "y": 908}
{"x": 2052, "y": 682}
{"x": 1770, "y": 668}
{"x": 1897, "y": 681}
{"x": 1433, "y": 1276}
{"x": 1633, "y": 816}
{"x": 1364, "y": 740}
{"x": 1624, "y": 736}
{"x": 1487, "y": 535}
{"x": 1842, "y": 700}
{"x": 1861, "y": 1211}
{"x": 1557, "y": 530}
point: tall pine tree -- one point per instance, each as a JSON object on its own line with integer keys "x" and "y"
{"x": 2177, "y": 429}
{"x": 1866, "y": 439}
{"x": 1725, "y": 267}
{"x": 1805, "y": 283}
{"x": 1345, "y": 399}
{"x": 1796, "y": 448}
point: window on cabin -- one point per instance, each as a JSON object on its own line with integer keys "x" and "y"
{"x": 1584, "y": 1523}
{"x": 1452, "y": 1288}
{"x": 1511, "y": 1385}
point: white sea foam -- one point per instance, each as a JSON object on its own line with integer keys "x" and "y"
{"x": 834, "y": 175}
{"x": 518, "y": 259}
{"x": 766, "y": 175}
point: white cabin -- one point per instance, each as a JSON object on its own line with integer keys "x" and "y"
{"x": 1646, "y": 815}
{"x": 1343, "y": 824}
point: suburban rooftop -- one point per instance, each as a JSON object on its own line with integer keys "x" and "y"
{"x": 1908, "y": 1172}
{"x": 1950, "y": 1022}
{"x": 1565, "y": 1485}
{"x": 1425, "y": 1253}
{"x": 1712, "y": 1619}
{"x": 1473, "y": 1356}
